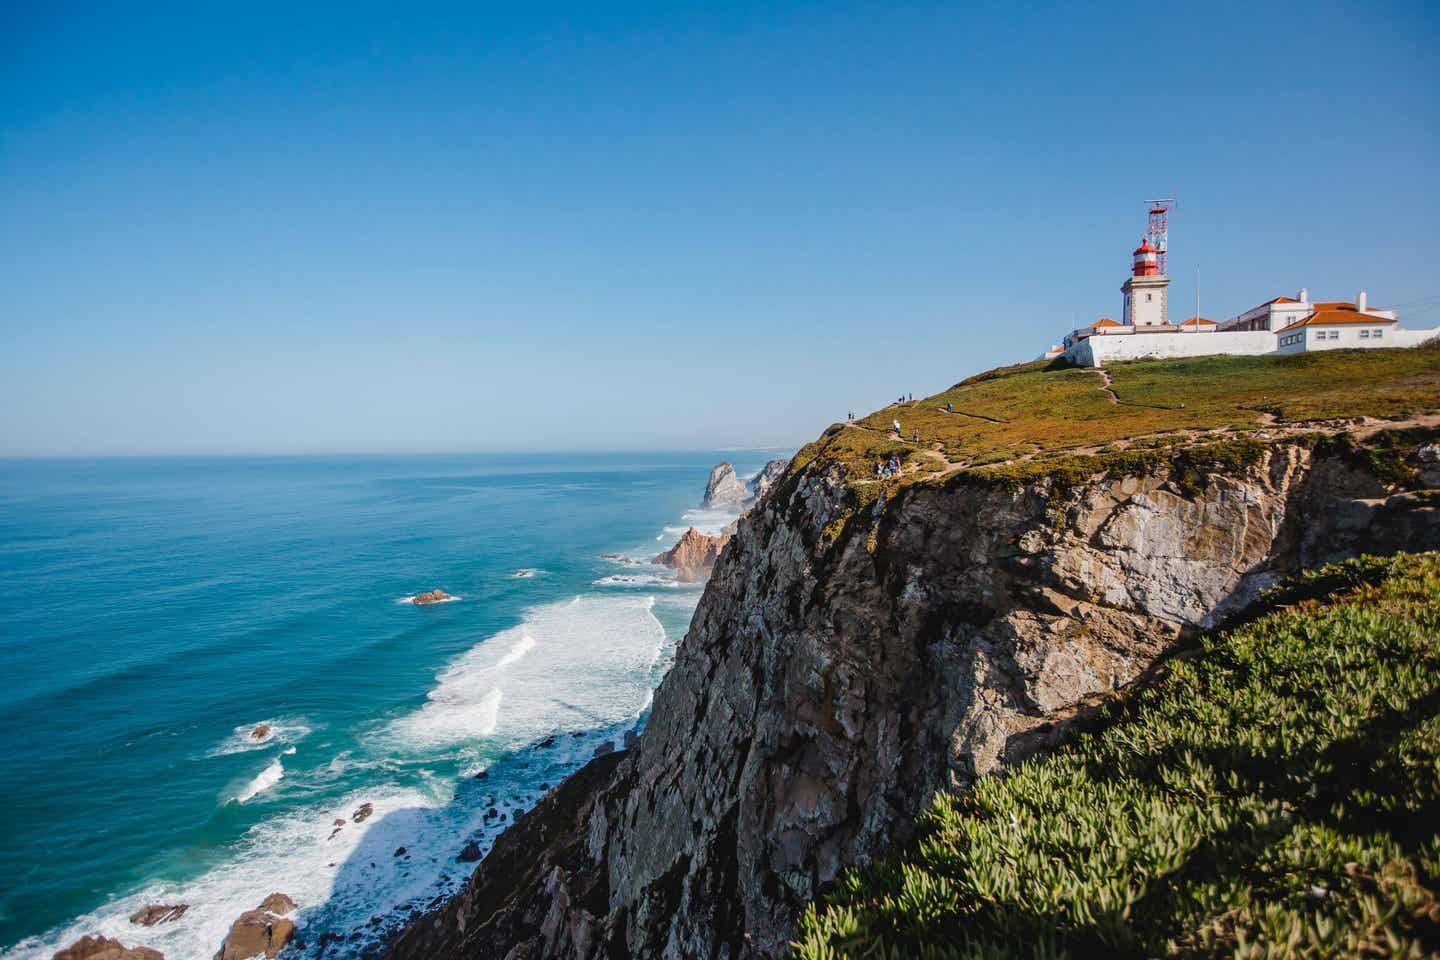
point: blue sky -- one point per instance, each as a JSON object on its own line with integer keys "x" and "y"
{"x": 550, "y": 226}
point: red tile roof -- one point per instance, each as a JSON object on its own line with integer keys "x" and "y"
{"x": 1198, "y": 322}
{"x": 1331, "y": 314}
{"x": 1105, "y": 322}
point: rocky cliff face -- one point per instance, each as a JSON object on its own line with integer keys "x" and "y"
{"x": 845, "y": 663}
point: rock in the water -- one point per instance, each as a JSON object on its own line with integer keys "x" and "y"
{"x": 262, "y": 932}
{"x": 724, "y": 489}
{"x": 471, "y": 853}
{"x": 362, "y": 812}
{"x": 151, "y": 914}
{"x": 769, "y": 475}
{"x": 261, "y": 732}
{"x": 400, "y": 851}
{"x": 694, "y": 555}
{"x": 95, "y": 947}
{"x": 434, "y": 596}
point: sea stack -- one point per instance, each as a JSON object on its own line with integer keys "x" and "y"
{"x": 694, "y": 556}
{"x": 724, "y": 489}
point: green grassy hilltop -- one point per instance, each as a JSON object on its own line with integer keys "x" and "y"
{"x": 1037, "y": 414}
{"x": 1274, "y": 793}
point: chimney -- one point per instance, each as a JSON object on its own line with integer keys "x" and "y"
{"x": 1360, "y": 302}
{"x": 1303, "y": 296}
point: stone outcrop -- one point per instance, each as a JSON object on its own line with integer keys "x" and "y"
{"x": 262, "y": 932}
{"x": 261, "y": 732}
{"x": 724, "y": 488}
{"x": 151, "y": 914}
{"x": 433, "y": 596}
{"x": 95, "y": 947}
{"x": 694, "y": 555}
{"x": 849, "y": 659}
{"x": 769, "y": 475}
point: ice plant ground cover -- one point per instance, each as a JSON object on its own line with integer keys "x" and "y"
{"x": 1275, "y": 792}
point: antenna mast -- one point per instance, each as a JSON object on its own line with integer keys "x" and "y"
{"x": 1159, "y": 232}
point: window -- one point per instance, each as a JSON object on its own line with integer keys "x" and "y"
{"x": 1364, "y": 334}
{"x": 1377, "y": 334}
{"x": 1149, "y": 297}
{"x": 1334, "y": 335}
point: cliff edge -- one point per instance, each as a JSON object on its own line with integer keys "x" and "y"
{"x": 865, "y": 644}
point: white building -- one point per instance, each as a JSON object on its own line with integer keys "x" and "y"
{"x": 1282, "y": 325}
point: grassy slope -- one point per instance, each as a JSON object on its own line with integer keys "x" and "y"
{"x": 1034, "y": 409}
{"x": 1275, "y": 793}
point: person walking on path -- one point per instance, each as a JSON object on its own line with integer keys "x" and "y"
{"x": 898, "y": 434}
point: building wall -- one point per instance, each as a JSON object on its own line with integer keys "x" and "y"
{"x": 1137, "y": 309}
{"x": 1097, "y": 351}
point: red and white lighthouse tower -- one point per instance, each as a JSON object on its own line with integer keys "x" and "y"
{"x": 1147, "y": 260}
{"x": 1146, "y": 300}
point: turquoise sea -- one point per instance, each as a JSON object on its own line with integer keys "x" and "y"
{"x": 154, "y": 611}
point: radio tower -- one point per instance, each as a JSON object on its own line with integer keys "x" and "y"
{"x": 1159, "y": 232}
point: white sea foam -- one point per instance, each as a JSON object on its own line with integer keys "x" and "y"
{"x": 587, "y": 665}
{"x": 709, "y": 521}
{"x": 286, "y": 730}
{"x": 263, "y": 781}
{"x": 525, "y": 573}
{"x": 640, "y": 580}
{"x": 294, "y": 853}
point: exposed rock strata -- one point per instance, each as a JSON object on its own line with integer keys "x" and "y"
{"x": 769, "y": 475}
{"x": 724, "y": 488}
{"x": 694, "y": 555}
{"x": 838, "y": 673}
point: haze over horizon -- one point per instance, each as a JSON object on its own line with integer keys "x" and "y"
{"x": 472, "y": 228}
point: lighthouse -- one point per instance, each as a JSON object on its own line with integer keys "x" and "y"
{"x": 1145, "y": 298}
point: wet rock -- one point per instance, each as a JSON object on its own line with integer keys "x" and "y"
{"x": 433, "y": 596}
{"x": 483, "y": 775}
{"x": 547, "y": 743}
{"x": 471, "y": 853}
{"x": 262, "y": 932}
{"x": 95, "y": 947}
{"x": 362, "y": 812}
{"x": 153, "y": 913}
{"x": 607, "y": 747}
{"x": 399, "y": 851}
{"x": 261, "y": 732}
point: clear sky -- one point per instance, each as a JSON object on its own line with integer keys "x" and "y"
{"x": 410, "y": 227}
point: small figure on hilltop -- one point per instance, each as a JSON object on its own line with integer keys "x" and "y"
{"x": 948, "y": 408}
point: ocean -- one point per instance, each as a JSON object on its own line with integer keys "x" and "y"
{"x": 155, "y": 611}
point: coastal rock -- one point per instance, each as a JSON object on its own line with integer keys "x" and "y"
{"x": 694, "y": 555}
{"x": 263, "y": 931}
{"x": 95, "y": 947}
{"x": 362, "y": 812}
{"x": 151, "y": 914}
{"x": 470, "y": 853}
{"x": 769, "y": 475}
{"x": 434, "y": 596}
{"x": 261, "y": 732}
{"x": 844, "y": 666}
{"x": 724, "y": 488}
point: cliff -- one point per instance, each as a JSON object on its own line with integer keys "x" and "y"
{"x": 863, "y": 646}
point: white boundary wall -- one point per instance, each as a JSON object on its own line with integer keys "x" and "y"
{"x": 1096, "y": 351}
